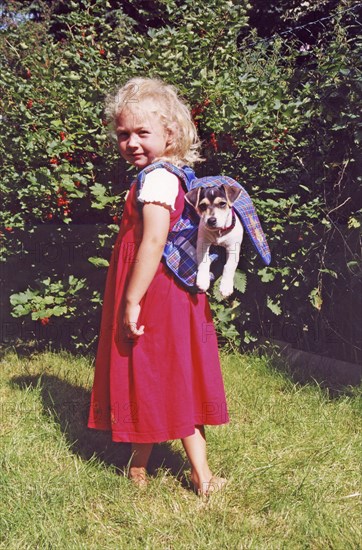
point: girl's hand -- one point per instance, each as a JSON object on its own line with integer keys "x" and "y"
{"x": 130, "y": 320}
{"x": 156, "y": 223}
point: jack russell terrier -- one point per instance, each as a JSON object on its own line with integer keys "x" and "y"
{"x": 218, "y": 225}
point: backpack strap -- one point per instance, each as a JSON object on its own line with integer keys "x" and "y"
{"x": 184, "y": 176}
{"x": 190, "y": 175}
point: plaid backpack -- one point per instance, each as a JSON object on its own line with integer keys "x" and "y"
{"x": 179, "y": 254}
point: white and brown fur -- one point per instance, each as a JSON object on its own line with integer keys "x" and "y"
{"x": 214, "y": 206}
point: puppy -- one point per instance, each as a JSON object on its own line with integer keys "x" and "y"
{"x": 218, "y": 225}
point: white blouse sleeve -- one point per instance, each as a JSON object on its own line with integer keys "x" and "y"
{"x": 160, "y": 186}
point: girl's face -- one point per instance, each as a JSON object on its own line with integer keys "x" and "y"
{"x": 141, "y": 136}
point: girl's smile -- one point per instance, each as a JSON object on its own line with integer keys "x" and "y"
{"x": 141, "y": 136}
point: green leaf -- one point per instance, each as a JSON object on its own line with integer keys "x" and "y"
{"x": 330, "y": 272}
{"x": 274, "y": 306}
{"x": 316, "y": 298}
{"x": 59, "y": 310}
{"x": 305, "y": 188}
{"x": 266, "y": 275}
{"x": 240, "y": 281}
{"x": 277, "y": 104}
{"x": 19, "y": 311}
{"x": 223, "y": 315}
{"x": 98, "y": 262}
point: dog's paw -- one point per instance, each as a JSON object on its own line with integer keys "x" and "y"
{"x": 226, "y": 288}
{"x": 203, "y": 281}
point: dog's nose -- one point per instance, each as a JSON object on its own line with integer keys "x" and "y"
{"x": 211, "y": 221}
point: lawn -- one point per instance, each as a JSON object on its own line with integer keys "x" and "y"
{"x": 291, "y": 453}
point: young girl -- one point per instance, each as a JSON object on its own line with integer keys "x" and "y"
{"x": 157, "y": 370}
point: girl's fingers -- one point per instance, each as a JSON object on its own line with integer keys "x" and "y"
{"x": 138, "y": 331}
{"x": 130, "y": 321}
{"x": 134, "y": 331}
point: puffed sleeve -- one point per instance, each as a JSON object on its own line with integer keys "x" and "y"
{"x": 160, "y": 186}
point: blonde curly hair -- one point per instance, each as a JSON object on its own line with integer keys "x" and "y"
{"x": 172, "y": 110}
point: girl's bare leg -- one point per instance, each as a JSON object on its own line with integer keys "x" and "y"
{"x": 201, "y": 476}
{"x": 140, "y": 455}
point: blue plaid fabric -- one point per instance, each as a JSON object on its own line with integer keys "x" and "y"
{"x": 180, "y": 250}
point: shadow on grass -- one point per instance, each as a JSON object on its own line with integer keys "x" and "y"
{"x": 30, "y": 348}
{"x": 69, "y": 407}
{"x": 333, "y": 381}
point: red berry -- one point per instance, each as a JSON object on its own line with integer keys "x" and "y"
{"x": 8, "y": 228}
{"x": 207, "y": 102}
{"x": 53, "y": 160}
{"x": 77, "y": 183}
{"x": 62, "y": 136}
{"x": 62, "y": 201}
{"x": 29, "y": 104}
{"x": 197, "y": 110}
{"x": 102, "y": 51}
{"x": 44, "y": 320}
{"x": 66, "y": 212}
{"x": 28, "y": 73}
{"x": 213, "y": 142}
{"x": 49, "y": 215}
{"x": 68, "y": 156}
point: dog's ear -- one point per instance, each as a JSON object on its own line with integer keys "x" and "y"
{"x": 232, "y": 193}
{"x": 192, "y": 197}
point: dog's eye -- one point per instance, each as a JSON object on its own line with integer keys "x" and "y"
{"x": 222, "y": 204}
{"x": 202, "y": 207}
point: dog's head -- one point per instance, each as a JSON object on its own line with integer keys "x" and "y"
{"x": 213, "y": 203}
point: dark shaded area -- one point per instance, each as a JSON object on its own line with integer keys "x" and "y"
{"x": 337, "y": 378}
{"x": 145, "y": 13}
{"x": 69, "y": 406}
{"x": 59, "y": 251}
{"x": 334, "y": 331}
{"x": 269, "y": 18}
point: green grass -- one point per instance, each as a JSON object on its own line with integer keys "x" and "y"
{"x": 291, "y": 454}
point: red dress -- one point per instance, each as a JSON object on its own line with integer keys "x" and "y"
{"x": 159, "y": 386}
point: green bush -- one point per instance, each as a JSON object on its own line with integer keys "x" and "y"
{"x": 279, "y": 115}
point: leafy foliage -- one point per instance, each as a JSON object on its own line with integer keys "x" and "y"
{"x": 279, "y": 115}
{"x": 52, "y": 298}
